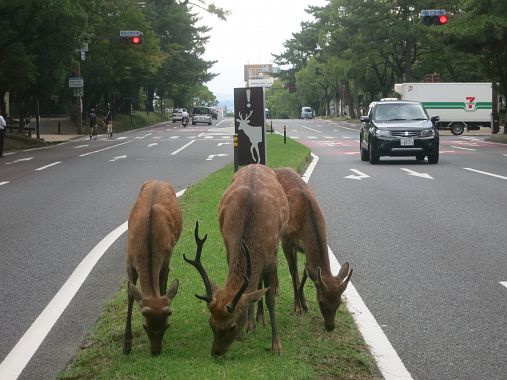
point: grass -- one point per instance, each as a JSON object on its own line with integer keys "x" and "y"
{"x": 309, "y": 352}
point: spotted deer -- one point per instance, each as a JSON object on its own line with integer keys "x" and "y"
{"x": 154, "y": 227}
{"x": 306, "y": 232}
{"x": 253, "y": 211}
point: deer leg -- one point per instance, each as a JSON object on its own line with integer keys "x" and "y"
{"x": 291, "y": 255}
{"x": 271, "y": 280}
{"x": 162, "y": 278}
{"x": 260, "y": 310}
{"x": 127, "y": 344}
{"x": 301, "y": 292}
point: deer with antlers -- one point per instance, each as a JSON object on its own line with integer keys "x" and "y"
{"x": 154, "y": 227}
{"x": 253, "y": 212}
{"x": 306, "y": 232}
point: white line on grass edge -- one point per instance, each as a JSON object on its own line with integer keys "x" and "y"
{"x": 14, "y": 363}
{"x": 388, "y": 361}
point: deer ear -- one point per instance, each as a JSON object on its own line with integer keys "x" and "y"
{"x": 171, "y": 293}
{"x": 135, "y": 292}
{"x": 344, "y": 271}
{"x": 146, "y": 310}
{"x": 254, "y": 296}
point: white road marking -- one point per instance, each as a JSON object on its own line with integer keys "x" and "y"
{"x": 153, "y": 144}
{"x": 101, "y": 150}
{"x": 504, "y": 155}
{"x": 486, "y": 173}
{"x": 460, "y": 147}
{"x": 183, "y": 147}
{"x": 212, "y": 156}
{"x": 310, "y": 129}
{"x": 359, "y": 175}
{"x": 312, "y": 137}
{"x": 118, "y": 158}
{"x": 143, "y": 137}
{"x": 121, "y": 138}
{"x": 48, "y": 166}
{"x": 388, "y": 361}
{"x": 174, "y": 137}
{"x": 14, "y": 363}
{"x": 504, "y": 283}
{"x": 19, "y": 160}
{"x": 224, "y": 143}
{"x": 416, "y": 174}
{"x": 4, "y": 183}
{"x": 80, "y": 146}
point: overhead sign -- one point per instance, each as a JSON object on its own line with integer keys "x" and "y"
{"x": 130, "y": 33}
{"x": 76, "y": 82}
{"x": 249, "y": 125}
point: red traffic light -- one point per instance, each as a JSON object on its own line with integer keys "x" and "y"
{"x": 136, "y": 40}
{"x": 442, "y": 19}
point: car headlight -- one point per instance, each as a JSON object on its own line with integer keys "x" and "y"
{"x": 428, "y": 132}
{"x": 383, "y": 133}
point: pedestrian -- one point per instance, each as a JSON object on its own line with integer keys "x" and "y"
{"x": 28, "y": 120}
{"x": 108, "y": 119}
{"x": 3, "y": 124}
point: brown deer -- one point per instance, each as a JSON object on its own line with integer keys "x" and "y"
{"x": 154, "y": 227}
{"x": 306, "y": 232}
{"x": 253, "y": 212}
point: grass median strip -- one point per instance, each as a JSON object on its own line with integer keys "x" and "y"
{"x": 309, "y": 352}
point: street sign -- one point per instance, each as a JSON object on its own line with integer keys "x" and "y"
{"x": 249, "y": 116}
{"x": 130, "y": 33}
{"x": 78, "y": 91}
{"x": 76, "y": 82}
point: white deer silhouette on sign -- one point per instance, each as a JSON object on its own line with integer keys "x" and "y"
{"x": 254, "y": 134}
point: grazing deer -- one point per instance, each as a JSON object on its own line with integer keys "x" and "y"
{"x": 154, "y": 227}
{"x": 254, "y": 134}
{"x": 253, "y": 212}
{"x": 306, "y": 232}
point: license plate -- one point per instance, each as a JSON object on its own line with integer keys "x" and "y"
{"x": 407, "y": 141}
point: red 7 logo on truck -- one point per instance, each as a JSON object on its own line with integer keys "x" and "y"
{"x": 470, "y": 103}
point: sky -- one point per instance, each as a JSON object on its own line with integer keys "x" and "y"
{"x": 253, "y": 31}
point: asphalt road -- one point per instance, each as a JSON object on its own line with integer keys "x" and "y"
{"x": 427, "y": 242}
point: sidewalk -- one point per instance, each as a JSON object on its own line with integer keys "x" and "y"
{"x": 48, "y": 129}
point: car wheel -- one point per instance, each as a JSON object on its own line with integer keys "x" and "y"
{"x": 210, "y": 123}
{"x": 174, "y": 121}
{"x": 193, "y": 123}
{"x": 419, "y": 157}
{"x": 374, "y": 156}
{"x": 433, "y": 157}
{"x": 457, "y": 128}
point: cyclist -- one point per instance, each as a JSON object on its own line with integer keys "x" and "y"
{"x": 93, "y": 124}
{"x": 108, "y": 119}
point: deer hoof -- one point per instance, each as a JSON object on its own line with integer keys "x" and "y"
{"x": 127, "y": 347}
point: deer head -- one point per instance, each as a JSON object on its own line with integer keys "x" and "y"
{"x": 227, "y": 306}
{"x": 329, "y": 290}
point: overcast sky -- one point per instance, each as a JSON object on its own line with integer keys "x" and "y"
{"x": 253, "y": 31}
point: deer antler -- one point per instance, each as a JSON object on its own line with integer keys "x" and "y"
{"x": 246, "y": 277}
{"x": 198, "y": 265}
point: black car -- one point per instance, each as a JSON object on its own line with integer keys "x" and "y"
{"x": 398, "y": 128}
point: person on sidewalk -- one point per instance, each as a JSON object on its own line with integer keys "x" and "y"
{"x": 108, "y": 119}
{"x": 2, "y": 133}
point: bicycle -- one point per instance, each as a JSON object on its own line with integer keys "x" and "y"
{"x": 93, "y": 131}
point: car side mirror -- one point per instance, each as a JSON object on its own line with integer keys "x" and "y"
{"x": 365, "y": 118}
{"x": 434, "y": 119}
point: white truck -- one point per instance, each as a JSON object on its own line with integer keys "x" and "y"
{"x": 458, "y": 105}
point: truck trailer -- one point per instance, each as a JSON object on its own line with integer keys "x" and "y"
{"x": 459, "y": 106}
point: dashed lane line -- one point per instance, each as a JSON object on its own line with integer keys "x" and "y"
{"x": 48, "y": 166}
{"x": 4, "y": 183}
{"x": 183, "y": 147}
{"x": 486, "y": 173}
{"x": 101, "y": 150}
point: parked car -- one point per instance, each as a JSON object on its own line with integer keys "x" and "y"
{"x": 398, "y": 128}
{"x": 177, "y": 114}
{"x": 307, "y": 113}
{"x": 201, "y": 114}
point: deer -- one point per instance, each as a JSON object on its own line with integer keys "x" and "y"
{"x": 154, "y": 227}
{"x": 253, "y": 212}
{"x": 254, "y": 134}
{"x": 306, "y": 232}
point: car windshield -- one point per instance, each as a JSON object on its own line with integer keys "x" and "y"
{"x": 401, "y": 111}
{"x": 201, "y": 111}
{"x": 307, "y": 109}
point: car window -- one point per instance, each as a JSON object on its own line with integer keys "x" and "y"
{"x": 402, "y": 111}
{"x": 201, "y": 111}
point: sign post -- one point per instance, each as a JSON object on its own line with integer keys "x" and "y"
{"x": 249, "y": 125}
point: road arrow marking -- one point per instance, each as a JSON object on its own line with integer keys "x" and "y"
{"x": 212, "y": 156}
{"x": 153, "y": 144}
{"x": 118, "y": 158}
{"x": 359, "y": 175}
{"x": 4, "y": 183}
{"x": 19, "y": 160}
{"x": 142, "y": 137}
{"x": 416, "y": 174}
{"x": 504, "y": 283}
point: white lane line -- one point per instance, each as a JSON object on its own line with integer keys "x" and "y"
{"x": 388, "y": 361}
{"x": 19, "y": 160}
{"x": 101, "y": 150}
{"x": 486, "y": 173}
{"x": 460, "y": 147}
{"x": 152, "y": 144}
{"x": 14, "y": 363}
{"x": 4, "y": 183}
{"x": 504, "y": 283}
{"x": 80, "y": 146}
{"x": 48, "y": 166}
{"x": 183, "y": 147}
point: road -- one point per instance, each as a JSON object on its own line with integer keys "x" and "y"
{"x": 427, "y": 242}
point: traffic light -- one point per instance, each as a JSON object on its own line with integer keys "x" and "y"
{"x": 132, "y": 37}
{"x": 433, "y": 17}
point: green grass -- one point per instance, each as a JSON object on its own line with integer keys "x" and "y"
{"x": 309, "y": 352}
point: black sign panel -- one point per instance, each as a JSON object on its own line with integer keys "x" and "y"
{"x": 249, "y": 123}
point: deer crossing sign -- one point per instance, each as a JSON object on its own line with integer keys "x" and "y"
{"x": 249, "y": 125}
